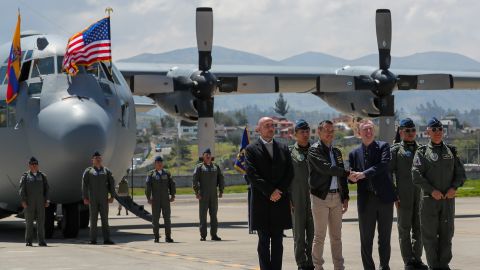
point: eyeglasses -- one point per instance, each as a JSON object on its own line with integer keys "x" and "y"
{"x": 410, "y": 130}
{"x": 435, "y": 129}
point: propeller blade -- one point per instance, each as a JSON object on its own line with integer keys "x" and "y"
{"x": 206, "y": 125}
{"x": 383, "y": 23}
{"x": 425, "y": 82}
{"x": 204, "y": 23}
{"x": 344, "y": 83}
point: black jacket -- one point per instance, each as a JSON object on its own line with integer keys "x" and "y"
{"x": 266, "y": 175}
{"x": 378, "y": 173}
{"x": 322, "y": 170}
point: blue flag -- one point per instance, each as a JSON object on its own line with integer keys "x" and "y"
{"x": 240, "y": 162}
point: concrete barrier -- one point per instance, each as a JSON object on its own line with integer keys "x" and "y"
{"x": 185, "y": 180}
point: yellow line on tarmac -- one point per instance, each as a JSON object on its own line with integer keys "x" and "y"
{"x": 186, "y": 258}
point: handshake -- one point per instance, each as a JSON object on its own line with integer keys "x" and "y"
{"x": 355, "y": 176}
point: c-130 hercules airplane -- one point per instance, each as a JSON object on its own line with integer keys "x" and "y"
{"x": 62, "y": 120}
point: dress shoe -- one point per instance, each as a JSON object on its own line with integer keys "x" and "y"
{"x": 419, "y": 265}
{"x": 216, "y": 238}
{"x": 108, "y": 242}
{"x": 42, "y": 244}
{"x": 169, "y": 240}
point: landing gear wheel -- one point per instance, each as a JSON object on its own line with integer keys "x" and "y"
{"x": 50, "y": 220}
{"x": 70, "y": 221}
{"x": 84, "y": 218}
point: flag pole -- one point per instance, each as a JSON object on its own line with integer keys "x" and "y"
{"x": 109, "y": 10}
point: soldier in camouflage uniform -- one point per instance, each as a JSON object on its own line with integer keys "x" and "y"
{"x": 97, "y": 183}
{"x": 408, "y": 206}
{"x": 438, "y": 171}
{"x": 300, "y": 197}
{"x": 160, "y": 193}
{"x": 207, "y": 177}
{"x": 34, "y": 194}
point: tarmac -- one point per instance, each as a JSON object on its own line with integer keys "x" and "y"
{"x": 135, "y": 248}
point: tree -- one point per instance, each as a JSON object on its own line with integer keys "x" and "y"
{"x": 223, "y": 119}
{"x": 167, "y": 121}
{"x": 181, "y": 151}
{"x": 241, "y": 117}
{"x": 281, "y": 106}
{"x": 154, "y": 128}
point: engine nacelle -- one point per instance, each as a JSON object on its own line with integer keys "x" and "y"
{"x": 178, "y": 104}
{"x": 358, "y": 103}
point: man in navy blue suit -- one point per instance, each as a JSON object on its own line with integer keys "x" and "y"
{"x": 376, "y": 194}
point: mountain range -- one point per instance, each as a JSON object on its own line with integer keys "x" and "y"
{"x": 458, "y": 99}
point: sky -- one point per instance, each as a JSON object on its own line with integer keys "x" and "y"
{"x": 273, "y": 28}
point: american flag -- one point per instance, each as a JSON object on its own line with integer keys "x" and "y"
{"x": 89, "y": 46}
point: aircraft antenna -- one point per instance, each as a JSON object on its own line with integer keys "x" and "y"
{"x": 40, "y": 15}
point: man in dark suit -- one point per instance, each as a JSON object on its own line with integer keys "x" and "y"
{"x": 376, "y": 195}
{"x": 269, "y": 170}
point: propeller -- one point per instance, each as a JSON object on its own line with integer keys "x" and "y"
{"x": 382, "y": 81}
{"x": 204, "y": 82}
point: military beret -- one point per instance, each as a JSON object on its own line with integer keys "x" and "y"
{"x": 96, "y": 154}
{"x": 434, "y": 122}
{"x": 301, "y": 124}
{"x": 33, "y": 160}
{"x": 407, "y": 123}
{"x": 207, "y": 151}
{"x": 158, "y": 159}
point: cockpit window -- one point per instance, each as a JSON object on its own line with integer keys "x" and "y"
{"x": 43, "y": 66}
{"x": 28, "y": 55}
{"x": 3, "y": 72}
{"x": 7, "y": 114}
{"x": 59, "y": 64}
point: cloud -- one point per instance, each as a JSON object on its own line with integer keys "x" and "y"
{"x": 273, "y": 28}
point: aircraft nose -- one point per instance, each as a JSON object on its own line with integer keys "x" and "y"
{"x": 76, "y": 127}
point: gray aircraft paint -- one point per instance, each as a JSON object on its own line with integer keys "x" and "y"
{"x": 62, "y": 126}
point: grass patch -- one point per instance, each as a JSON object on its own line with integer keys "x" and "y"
{"x": 471, "y": 188}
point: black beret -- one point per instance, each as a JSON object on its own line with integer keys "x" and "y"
{"x": 33, "y": 160}
{"x": 407, "y": 123}
{"x": 434, "y": 122}
{"x": 301, "y": 124}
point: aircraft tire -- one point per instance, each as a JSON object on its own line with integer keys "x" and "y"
{"x": 50, "y": 220}
{"x": 70, "y": 221}
{"x": 84, "y": 218}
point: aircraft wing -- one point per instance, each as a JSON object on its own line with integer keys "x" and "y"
{"x": 462, "y": 80}
{"x": 149, "y": 78}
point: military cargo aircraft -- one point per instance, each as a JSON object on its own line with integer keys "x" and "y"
{"x": 62, "y": 120}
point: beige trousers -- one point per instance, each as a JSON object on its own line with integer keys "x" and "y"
{"x": 327, "y": 213}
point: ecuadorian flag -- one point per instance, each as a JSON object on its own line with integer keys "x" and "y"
{"x": 240, "y": 161}
{"x": 13, "y": 68}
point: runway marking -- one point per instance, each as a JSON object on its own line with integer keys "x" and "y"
{"x": 186, "y": 257}
{"x": 20, "y": 251}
